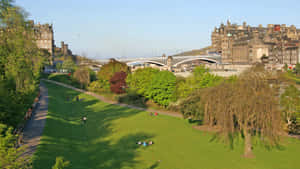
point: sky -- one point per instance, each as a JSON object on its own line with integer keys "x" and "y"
{"x": 145, "y": 28}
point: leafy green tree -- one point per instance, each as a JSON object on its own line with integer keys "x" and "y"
{"x": 285, "y": 67}
{"x": 58, "y": 66}
{"x": 141, "y": 79}
{"x": 4, "y": 6}
{"x": 109, "y": 69}
{"x": 153, "y": 84}
{"x": 21, "y": 63}
{"x": 93, "y": 75}
{"x": 69, "y": 65}
{"x": 100, "y": 86}
{"x": 11, "y": 105}
{"x": 60, "y": 163}
{"x": 290, "y": 102}
{"x": 201, "y": 78}
{"x": 162, "y": 88}
{"x": 10, "y": 156}
{"x": 297, "y": 68}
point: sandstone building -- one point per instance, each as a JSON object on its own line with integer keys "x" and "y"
{"x": 45, "y": 40}
{"x": 45, "y": 37}
{"x": 243, "y": 44}
{"x": 64, "y": 50}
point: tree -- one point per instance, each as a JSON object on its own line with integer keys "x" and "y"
{"x": 58, "y": 66}
{"x": 290, "y": 102}
{"x": 191, "y": 107}
{"x": 248, "y": 106}
{"x": 69, "y": 65}
{"x": 21, "y": 63}
{"x": 297, "y": 68}
{"x": 100, "y": 86}
{"x": 93, "y": 75}
{"x": 118, "y": 83}
{"x": 162, "y": 88}
{"x": 141, "y": 79}
{"x": 108, "y": 70}
{"x": 10, "y": 156}
{"x": 60, "y": 163}
{"x": 201, "y": 78}
{"x": 82, "y": 75}
{"x": 4, "y": 6}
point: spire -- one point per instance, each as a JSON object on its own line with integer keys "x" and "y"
{"x": 228, "y": 23}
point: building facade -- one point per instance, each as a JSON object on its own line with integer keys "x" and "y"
{"x": 44, "y": 37}
{"x": 243, "y": 44}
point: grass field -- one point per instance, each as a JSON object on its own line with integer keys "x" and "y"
{"x": 108, "y": 140}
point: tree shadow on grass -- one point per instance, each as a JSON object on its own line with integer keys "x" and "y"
{"x": 87, "y": 145}
{"x": 155, "y": 165}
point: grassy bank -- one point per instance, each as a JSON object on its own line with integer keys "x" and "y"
{"x": 108, "y": 140}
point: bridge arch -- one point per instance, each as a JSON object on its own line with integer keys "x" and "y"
{"x": 145, "y": 61}
{"x": 193, "y": 59}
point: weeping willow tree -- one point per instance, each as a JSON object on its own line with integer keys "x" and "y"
{"x": 248, "y": 107}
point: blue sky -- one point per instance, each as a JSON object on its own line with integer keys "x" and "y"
{"x": 141, "y": 28}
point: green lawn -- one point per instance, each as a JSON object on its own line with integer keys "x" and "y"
{"x": 108, "y": 140}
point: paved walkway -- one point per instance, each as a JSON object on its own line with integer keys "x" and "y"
{"x": 34, "y": 128}
{"x": 114, "y": 102}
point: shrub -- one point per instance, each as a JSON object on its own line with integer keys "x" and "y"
{"x": 64, "y": 78}
{"x": 191, "y": 107}
{"x": 60, "y": 163}
{"x": 93, "y": 75}
{"x": 99, "y": 86}
{"x": 290, "y": 102}
{"x": 133, "y": 98}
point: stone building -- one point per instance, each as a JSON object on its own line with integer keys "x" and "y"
{"x": 243, "y": 44}
{"x": 44, "y": 37}
{"x": 63, "y": 50}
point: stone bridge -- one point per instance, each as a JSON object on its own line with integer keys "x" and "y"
{"x": 174, "y": 61}
{"x": 171, "y": 61}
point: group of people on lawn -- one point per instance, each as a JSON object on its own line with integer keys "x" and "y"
{"x": 145, "y": 143}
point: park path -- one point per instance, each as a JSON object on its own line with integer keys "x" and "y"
{"x": 115, "y": 102}
{"x": 34, "y": 128}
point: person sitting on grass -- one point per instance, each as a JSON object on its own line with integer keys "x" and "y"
{"x": 144, "y": 144}
{"x": 139, "y": 143}
{"x": 150, "y": 142}
{"x": 84, "y": 119}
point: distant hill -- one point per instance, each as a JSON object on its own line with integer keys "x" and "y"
{"x": 195, "y": 52}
